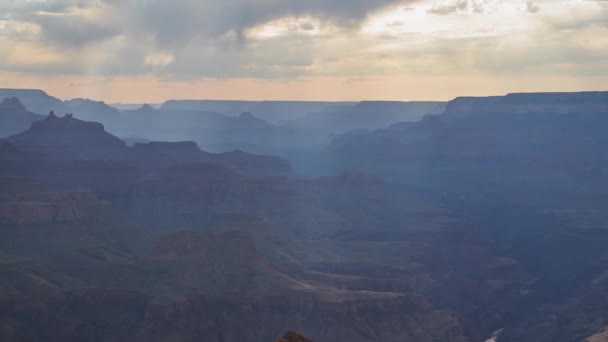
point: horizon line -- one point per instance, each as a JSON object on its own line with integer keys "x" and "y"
{"x": 295, "y": 100}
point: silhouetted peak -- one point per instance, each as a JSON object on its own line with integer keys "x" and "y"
{"x": 67, "y": 122}
{"x": 67, "y": 117}
{"x": 12, "y": 103}
{"x": 69, "y": 138}
{"x": 146, "y": 108}
{"x": 80, "y": 104}
{"x": 247, "y": 115}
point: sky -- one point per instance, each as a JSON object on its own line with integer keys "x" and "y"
{"x": 135, "y": 51}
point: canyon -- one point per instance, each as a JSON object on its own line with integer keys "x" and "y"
{"x": 481, "y": 215}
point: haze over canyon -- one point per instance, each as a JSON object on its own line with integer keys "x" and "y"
{"x": 304, "y": 171}
{"x": 352, "y": 221}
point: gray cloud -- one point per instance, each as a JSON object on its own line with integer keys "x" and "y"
{"x": 73, "y": 30}
{"x": 204, "y": 37}
{"x": 449, "y": 8}
{"x": 190, "y": 39}
{"x": 532, "y": 7}
{"x": 178, "y": 21}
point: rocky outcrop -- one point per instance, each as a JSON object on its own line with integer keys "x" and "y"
{"x": 67, "y": 138}
{"x": 146, "y": 108}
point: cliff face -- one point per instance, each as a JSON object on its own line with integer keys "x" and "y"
{"x": 536, "y": 103}
{"x": 475, "y": 137}
{"x": 24, "y": 202}
{"x": 527, "y": 169}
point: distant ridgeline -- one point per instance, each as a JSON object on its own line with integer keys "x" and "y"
{"x": 531, "y": 103}
{"x": 68, "y": 139}
{"x": 267, "y": 127}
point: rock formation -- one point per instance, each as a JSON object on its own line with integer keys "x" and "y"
{"x": 68, "y": 138}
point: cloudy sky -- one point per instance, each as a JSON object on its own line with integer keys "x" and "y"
{"x": 151, "y": 50}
